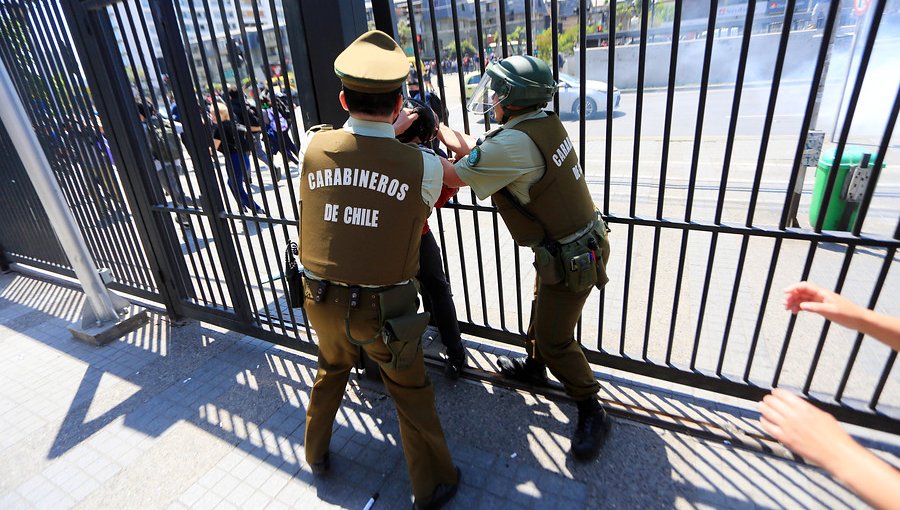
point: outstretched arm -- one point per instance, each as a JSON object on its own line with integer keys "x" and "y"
{"x": 459, "y": 143}
{"x": 817, "y": 437}
{"x": 808, "y": 297}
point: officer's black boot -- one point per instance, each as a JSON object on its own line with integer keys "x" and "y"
{"x": 456, "y": 362}
{"x": 525, "y": 370}
{"x": 591, "y": 431}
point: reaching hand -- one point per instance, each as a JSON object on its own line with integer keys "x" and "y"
{"x": 818, "y": 438}
{"x": 809, "y": 297}
{"x": 404, "y": 120}
{"x": 810, "y": 432}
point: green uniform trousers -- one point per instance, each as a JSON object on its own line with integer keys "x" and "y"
{"x": 428, "y": 459}
{"x": 551, "y": 340}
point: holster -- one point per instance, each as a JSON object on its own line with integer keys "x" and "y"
{"x": 578, "y": 264}
{"x": 401, "y": 326}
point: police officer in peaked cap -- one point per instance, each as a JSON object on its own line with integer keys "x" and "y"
{"x": 529, "y": 168}
{"x": 361, "y": 189}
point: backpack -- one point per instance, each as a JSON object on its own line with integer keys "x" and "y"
{"x": 164, "y": 143}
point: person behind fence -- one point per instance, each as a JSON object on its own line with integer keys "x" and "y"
{"x": 165, "y": 147}
{"x": 529, "y": 167}
{"x": 814, "y": 434}
{"x": 361, "y": 188}
{"x": 248, "y": 114}
{"x": 436, "y": 296}
{"x": 234, "y": 140}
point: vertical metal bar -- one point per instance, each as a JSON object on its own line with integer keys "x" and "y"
{"x": 854, "y": 352}
{"x": 851, "y": 110}
{"x": 554, "y": 31}
{"x": 734, "y": 295}
{"x": 679, "y": 277}
{"x": 711, "y": 258}
{"x": 385, "y": 17}
{"x": 735, "y": 109}
{"x": 776, "y": 251}
{"x": 413, "y": 33}
{"x": 811, "y": 113}
{"x": 638, "y": 109}
{"x": 628, "y": 257}
{"x": 460, "y": 71}
{"x": 582, "y": 81}
{"x": 842, "y": 277}
{"x": 437, "y": 50}
{"x": 663, "y": 170}
{"x": 482, "y": 65}
{"x": 770, "y": 110}
{"x": 701, "y": 108}
{"x": 462, "y": 264}
{"x": 610, "y": 79}
{"x": 299, "y": 43}
{"x": 650, "y": 293}
{"x": 529, "y": 44}
{"x": 635, "y": 165}
{"x": 500, "y": 304}
{"x": 519, "y": 308}
{"x": 479, "y": 258}
{"x": 501, "y": 4}
{"x": 876, "y": 395}
{"x": 793, "y": 320}
{"x": 670, "y": 102}
{"x": 878, "y": 167}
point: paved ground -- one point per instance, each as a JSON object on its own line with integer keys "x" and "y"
{"x": 194, "y": 416}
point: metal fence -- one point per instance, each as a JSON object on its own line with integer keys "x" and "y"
{"x": 698, "y": 193}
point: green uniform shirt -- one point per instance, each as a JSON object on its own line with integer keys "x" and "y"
{"x": 507, "y": 159}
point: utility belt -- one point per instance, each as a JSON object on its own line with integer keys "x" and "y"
{"x": 398, "y": 324}
{"x": 579, "y": 263}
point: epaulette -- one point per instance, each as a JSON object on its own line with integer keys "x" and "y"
{"x": 492, "y": 133}
{"x": 319, "y": 127}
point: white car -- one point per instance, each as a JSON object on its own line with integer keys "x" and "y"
{"x": 595, "y": 95}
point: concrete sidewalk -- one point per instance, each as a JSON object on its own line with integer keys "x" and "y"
{"x": 195, "y": 416}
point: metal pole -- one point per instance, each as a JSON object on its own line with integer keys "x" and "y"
{"x": 820, "y": 92}
{"x": 12, "y": 113}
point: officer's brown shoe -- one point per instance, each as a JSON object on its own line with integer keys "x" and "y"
{"x": 322, "y": 466}
{"x": 591, "y": 431}
{"x": 524, "y": 370}
{"x": 440, "y": 496}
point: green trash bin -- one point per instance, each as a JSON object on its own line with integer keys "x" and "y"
{"x": 841, "y": 213}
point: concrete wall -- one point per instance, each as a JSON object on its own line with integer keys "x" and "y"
{"x": 800, "y": 58}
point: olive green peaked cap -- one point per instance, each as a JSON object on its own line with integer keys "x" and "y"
{"x": 373, "y": 63}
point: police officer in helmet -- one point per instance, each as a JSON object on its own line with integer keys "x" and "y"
{"x": 362, "y": 188}
{"x": 529, "y": 168}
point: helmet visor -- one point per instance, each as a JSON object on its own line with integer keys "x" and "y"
{"x": 485, "y": 97}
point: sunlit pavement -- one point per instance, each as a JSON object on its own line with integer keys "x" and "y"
{"x": 194, "y": 416}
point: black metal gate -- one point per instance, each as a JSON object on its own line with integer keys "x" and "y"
{"x": 699, "y": 194}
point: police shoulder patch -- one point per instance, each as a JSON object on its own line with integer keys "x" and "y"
{"x": 474, "y": 156}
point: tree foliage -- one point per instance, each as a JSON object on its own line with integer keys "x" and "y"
{"x": 567, "y": 41}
